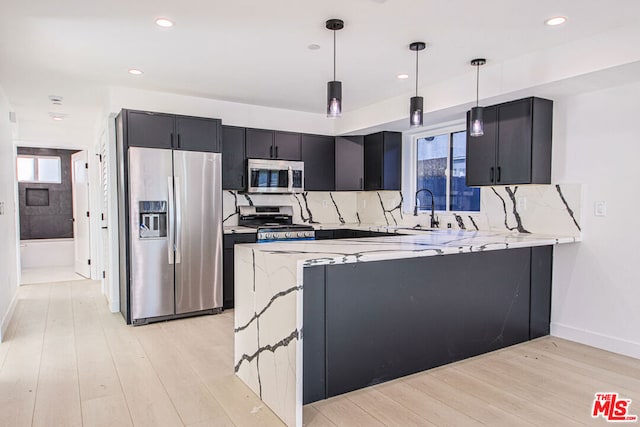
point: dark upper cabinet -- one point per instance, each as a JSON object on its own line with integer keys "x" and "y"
{"x": 147, "y": 129}
{"x": 349, "y": 163}
{"x": 481, "y": 151}
{"x": 516, "y": 145}
{"x": 318, "y": 155}
{"x": 197, "y": 134}
{"x": 383, "y": 161}
{"x": 233, "y": 158}
{"x": 259, "y": 144}
{"x": 170, "y": 131}
{"x": 269, "y": 144}
{"x": 286, "y": 145}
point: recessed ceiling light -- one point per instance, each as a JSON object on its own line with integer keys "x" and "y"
{"x": 164, "y": 22}
{"x": 556, "y": 20}
{"x": 313, "y": 46}
{"x": 403, "y": 76}
{"x": 135, "y": 71}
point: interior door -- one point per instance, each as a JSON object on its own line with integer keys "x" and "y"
{"x": 198, "y": 194}
{"x": 80, "y": 194}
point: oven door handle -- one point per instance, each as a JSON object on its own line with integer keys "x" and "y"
{"x": 290, "y": 173}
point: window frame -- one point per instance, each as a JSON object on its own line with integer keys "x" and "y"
{"x": 36, "y": 172}
{"x": 448, "y": 129}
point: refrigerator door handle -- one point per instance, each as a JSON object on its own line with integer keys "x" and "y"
{"x": 171, "y": 222}
{"x": 178, "y": 219}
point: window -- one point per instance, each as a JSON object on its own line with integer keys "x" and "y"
{"x": 39, "y": 169}
{"x": 441, "y": 168}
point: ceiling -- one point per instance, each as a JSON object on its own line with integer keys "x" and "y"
{"x": 256, "y": 52}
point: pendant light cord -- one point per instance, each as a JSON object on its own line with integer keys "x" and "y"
{"x": 477, "y": 83}
{"x": 334, "y": 55}
{"x": 416, "y": 72}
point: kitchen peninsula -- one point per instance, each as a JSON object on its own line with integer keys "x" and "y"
{"x": 349, "y": 313}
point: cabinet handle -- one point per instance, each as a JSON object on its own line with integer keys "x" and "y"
{"x": 276, "y": 151}
{"x": 499, "y": 174}
{"x": 178, "y": 140}
{"x": 360, "y": 183}
{"x": 242, "y": 180}
{"x": 380, "y": 182}
{"x": 271, "y": 151}
{"x": 171, "y": 139}
{"x": 491, "y": 174}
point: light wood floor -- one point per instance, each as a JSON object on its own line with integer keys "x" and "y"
{"x": 67, "y": 361}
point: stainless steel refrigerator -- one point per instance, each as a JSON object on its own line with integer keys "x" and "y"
{"x": 175, "y": 233}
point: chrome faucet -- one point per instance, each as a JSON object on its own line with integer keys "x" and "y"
{"x": 434, "y": 221}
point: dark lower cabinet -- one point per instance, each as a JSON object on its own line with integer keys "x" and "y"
{"x": 318, "y": 155}
{"x": 233, "y": 158}
{"x": 229, "y": 241}
{"x": 376, "y": 321}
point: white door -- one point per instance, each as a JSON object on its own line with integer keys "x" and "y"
{"x": 80, "y": 188}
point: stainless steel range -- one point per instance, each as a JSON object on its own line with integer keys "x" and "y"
{"x": 274, "y": 223}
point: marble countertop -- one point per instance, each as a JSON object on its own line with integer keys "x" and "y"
{"x": 417, "y": 244}
{"x": 233, "y": 229}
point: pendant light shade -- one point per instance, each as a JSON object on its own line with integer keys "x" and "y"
{"x": 334, "y": 87}
{"x": 477, "y": 123}
{"x": 417, "y": 102}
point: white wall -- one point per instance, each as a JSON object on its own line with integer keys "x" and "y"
{"x": 596, "y": 285}
{"x": 231, "y": 113}
{"x": 8, "y": 245}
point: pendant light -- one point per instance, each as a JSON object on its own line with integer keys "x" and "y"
{"x": 417, "y": 102}
{"x": 334, "y": 87}
{"x": 477, "y": 124}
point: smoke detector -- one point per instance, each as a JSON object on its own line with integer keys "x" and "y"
{"x": 55, "y": 99}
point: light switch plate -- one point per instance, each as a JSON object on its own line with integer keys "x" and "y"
{"x": 600, "y": 208}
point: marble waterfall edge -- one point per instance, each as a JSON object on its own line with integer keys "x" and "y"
{"x": 267, "y": 332}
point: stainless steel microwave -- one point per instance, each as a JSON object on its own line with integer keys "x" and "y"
{"x": 275, "y": 176}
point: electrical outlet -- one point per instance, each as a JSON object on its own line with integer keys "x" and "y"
{"x": 1, "y": 208}
{"x": 600, "y": 208}
{"x": 325, "y": 204}
{"x": 522, "y": 204}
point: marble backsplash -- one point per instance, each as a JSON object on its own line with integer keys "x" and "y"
{"x": 544, "y": 209}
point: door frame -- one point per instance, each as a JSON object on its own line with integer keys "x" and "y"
{"x": 94, "y": 223}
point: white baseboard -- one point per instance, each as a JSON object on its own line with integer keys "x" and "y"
{"x": 114, "y": 306}
{"x": 8, "y": 316}
{"x": 594, "y": 339}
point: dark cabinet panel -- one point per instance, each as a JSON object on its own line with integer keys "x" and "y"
{"x": 259, "y": 144}
{"x": 233, "y": 158}
{"x": 286, "y": 145}
{"x": 349, "y": 163}
{"x": 373, "y": 155}
{"x": 170, "y": 131}
{"x": 481, "y": 151}
{"x": 197, "y": 134}
{"x": 429, "y": 319}
{"x": 318, "y": 155}
{"x": 229, "y": 241}
{"x": 147, "y": 129}
{"x": 383, "y": 161}
{"x": 541, "y": 272}
{"x": 269, "y": 144}
{"x": 520, "y": 132}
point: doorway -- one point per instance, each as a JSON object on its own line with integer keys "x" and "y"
{"x": 49, "y": 207}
